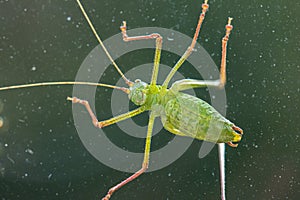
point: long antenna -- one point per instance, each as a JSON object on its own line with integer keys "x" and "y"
{"x": 101, "y": 43}
{"x": 126, "y": 90}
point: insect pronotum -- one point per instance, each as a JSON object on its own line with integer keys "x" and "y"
{"x": 175, "y": 104}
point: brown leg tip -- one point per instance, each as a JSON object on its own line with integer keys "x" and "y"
{"x": 107, "y": 197}
{"x": 123, "y": 27}
{"x": 232, "y": 145}
{"x": 228, "y": 27}
{"x": 205, "y": 6}
{"x": 73, "y": 99}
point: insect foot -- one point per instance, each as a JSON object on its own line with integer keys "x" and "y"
{"x": 86, "y": 104}
{"x": 77, "y": 100}
{"x": 107, "y": 197}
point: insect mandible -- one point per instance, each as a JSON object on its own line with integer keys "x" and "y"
{"x": 176, "y": 105}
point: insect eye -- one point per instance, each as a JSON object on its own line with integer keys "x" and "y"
{"x": 139, "y": 98}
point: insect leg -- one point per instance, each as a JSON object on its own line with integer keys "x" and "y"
{"x": 186, "y": 84}
{"x": 145, "y": 162}
{"x": 109, "y": 121}
{"x": 158, "y": 40}
{"x": 192, "y": 83}
{"x": 191, "y": 47}
{"x": 225, "y": 39}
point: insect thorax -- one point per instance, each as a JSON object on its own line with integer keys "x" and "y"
{"x": 143, "y": 94}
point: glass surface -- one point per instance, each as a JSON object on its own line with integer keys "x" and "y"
{"x": 41, "y": 155}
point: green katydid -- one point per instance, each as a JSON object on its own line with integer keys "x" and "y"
{"x": 183, "y": 114}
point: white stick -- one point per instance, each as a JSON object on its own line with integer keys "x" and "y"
{"x": 221, "y": 148}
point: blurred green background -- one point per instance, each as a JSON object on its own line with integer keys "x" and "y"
{"x": 41, "y": 155}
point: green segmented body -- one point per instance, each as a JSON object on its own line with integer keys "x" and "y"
{"x": 190, "y": 116}
{"x": 186, "y": 115}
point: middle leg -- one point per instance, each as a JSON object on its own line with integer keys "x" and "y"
{"x": 192, "y": 83}
{"x": 189, "y": 50}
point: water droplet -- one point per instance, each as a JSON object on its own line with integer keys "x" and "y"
{"x": 29, "y": 151}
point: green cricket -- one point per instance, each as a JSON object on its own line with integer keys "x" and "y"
{"x": 181, "y": 113}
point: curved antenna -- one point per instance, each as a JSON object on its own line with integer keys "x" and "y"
{"x": 126, "y": 90}
{"x": 129, "y": 83}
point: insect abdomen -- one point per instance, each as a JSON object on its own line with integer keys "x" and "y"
{"x": 189, "y": 116}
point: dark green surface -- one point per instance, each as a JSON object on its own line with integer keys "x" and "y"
{"x": 41, "y": 156}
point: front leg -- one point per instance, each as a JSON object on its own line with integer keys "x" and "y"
{"x": 109, "y": 121}
{"x": 158, "y": 43}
